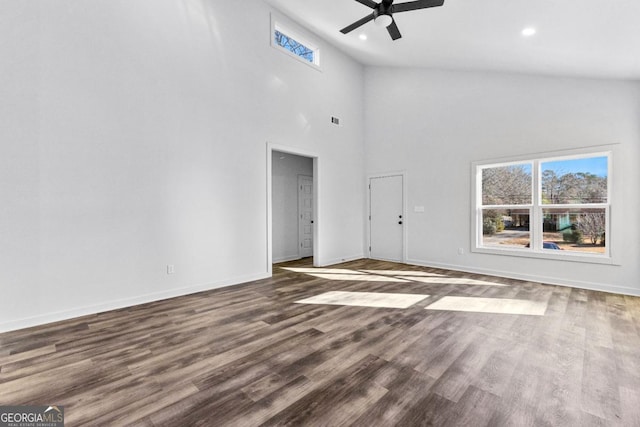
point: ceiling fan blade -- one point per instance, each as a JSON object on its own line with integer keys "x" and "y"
{"x": 394, "y": 32}
{"x": 415, "y": 5}
{"x": 369, "y": 3}
{"x": 357, "y": 24}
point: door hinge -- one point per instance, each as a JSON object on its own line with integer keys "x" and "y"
{"x": 369, "y": 248}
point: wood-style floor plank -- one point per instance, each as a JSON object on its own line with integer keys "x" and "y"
{"x": 249, "y": 355}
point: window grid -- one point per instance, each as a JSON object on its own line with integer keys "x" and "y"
{"x": 538, "y": 208}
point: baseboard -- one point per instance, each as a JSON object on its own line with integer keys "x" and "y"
{"x": 123, "y": 303}
{"x": 531, "y": 278}
{"x": 286, "y": 259}
{"x": 325, "y": 263}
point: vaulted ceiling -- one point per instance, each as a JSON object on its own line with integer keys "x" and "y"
{"x": 586, "y": 38}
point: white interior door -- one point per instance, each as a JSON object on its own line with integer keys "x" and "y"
{"x": 386, "y": 218}
{"x": 305, "y": 215}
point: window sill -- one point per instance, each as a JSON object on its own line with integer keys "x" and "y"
{"x": 549, "y": 254}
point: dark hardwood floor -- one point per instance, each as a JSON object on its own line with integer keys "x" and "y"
{"x": 248, "y": 355}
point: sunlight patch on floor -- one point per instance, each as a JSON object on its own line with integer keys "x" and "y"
{"x": 404, "y": 273}
{"x": 453, "y": 281}
{"x": 365, "y": 299}
{"x": 342, "y": 274}
{"x": 490, "y": 305}
{"x": 363, "y": 277}
{"x": 399, "y": 276}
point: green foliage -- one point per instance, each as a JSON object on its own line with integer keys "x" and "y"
{"x": 488, "y": 227}
{"x": 492, "y": 222}
{"x": 572, "y": 236}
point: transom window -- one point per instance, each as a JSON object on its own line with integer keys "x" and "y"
{"x": 556, "y": 206}
{"x": 294, "y": 44}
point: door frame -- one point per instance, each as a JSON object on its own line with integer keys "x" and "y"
{"x": 405, "y": 229}
{"x": 271, "y": 147}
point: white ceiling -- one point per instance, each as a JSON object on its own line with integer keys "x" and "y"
{"x": 587, "y": 38}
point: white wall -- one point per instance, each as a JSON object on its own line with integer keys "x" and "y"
{"x": 434, "y": 124}
{"x": 134, "y": 135}
{"x": 285, "y": 170}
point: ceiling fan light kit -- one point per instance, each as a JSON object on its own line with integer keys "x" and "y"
{"x": 383, "y": 20}
{"x": 382, "y": 14}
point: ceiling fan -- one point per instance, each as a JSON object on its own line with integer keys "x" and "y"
{"x": 383, "y": 14}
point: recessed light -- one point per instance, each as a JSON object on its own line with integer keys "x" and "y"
{"x": 528, "y": 32}
{"x": 362, "y": 36}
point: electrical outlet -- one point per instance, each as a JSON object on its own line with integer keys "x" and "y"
{"x": 171, "y": 269}
{"x": 460, "y": 251}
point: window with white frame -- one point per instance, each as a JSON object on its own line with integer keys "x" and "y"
{"x": 294, "y": 44}
{"x": 551, "y": 206}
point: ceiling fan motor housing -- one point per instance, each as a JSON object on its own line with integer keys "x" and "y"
{"x": 382, "y": 14}
{"x": 384, "y": 8}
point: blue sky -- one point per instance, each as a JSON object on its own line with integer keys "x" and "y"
{"x": 594, "y": 165}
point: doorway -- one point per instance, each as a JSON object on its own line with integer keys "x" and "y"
{"x": 292, "y": 205}
{"x": 386, "y": 217}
